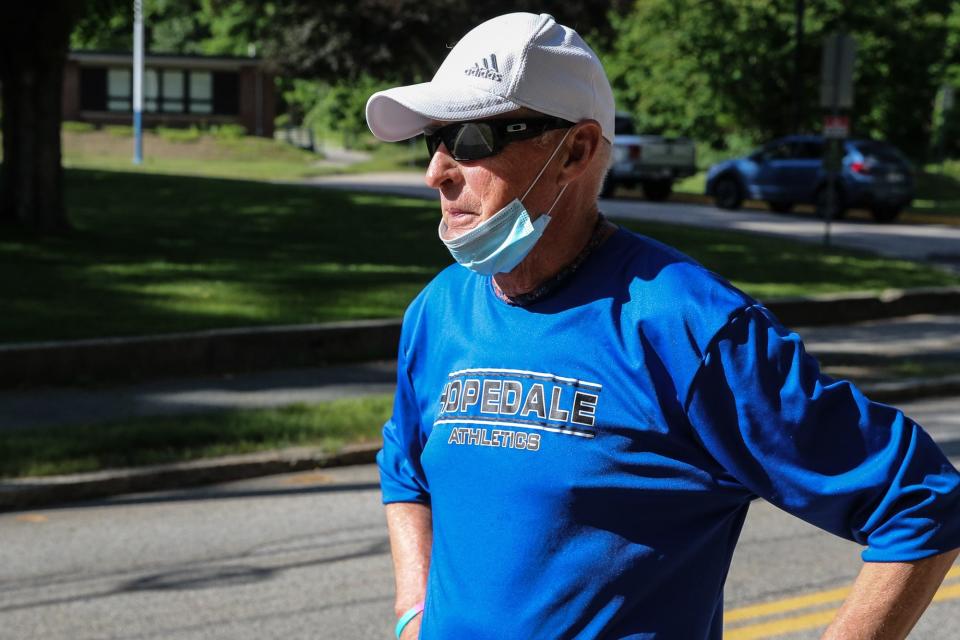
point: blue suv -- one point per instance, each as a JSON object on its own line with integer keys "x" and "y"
{"x": 789, "y": 171}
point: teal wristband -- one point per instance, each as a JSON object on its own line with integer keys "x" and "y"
{"x": 405, "y": 619}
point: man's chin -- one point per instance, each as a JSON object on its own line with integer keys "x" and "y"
{"x": 456, "y": 226}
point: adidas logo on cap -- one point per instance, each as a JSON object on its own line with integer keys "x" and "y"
{"x": 488, "y": 70}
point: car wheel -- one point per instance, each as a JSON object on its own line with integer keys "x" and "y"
{"x": 609, "y": 186}
{"x": 727, "y": 193}
{"x": 780, "y": 206}
{"x": 839, "y": 206}
{"x": 886, "y": 213}
{"x": 657, "y": 190}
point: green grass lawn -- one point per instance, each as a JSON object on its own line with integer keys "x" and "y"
{"x": 155, "y": 253}
{"x": 188, "y": 152}
{"x": 194, "y": 152}
{"x": 212, "y": 154}
{"x": 938, "y": 191}
{"x": 159, "y": 254}
{"x": 769, "y": 268}
{"x": 156, "y": 440}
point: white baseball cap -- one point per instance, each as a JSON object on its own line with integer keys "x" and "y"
{"x": 508, "y": 62}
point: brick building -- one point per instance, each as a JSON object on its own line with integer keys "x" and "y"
{"x": 177, "y": 90}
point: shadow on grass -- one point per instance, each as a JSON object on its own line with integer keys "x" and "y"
{"x": 937, "y": 193}
{"x": 158, "y": 254}
{"x": 769, "y": 267}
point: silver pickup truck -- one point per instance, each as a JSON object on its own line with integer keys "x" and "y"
{"x": 651, "y": 161}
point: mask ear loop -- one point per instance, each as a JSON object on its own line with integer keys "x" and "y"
{"x": 557, "y": 199}
{"x": 547, "y": 164}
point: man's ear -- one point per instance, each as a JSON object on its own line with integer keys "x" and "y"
{"x": 582, "y": 145}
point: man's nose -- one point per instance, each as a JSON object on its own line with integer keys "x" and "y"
{"x": 443, "y": 169}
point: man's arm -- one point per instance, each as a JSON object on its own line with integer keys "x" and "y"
{"x": 411, "y": 536}
{"x": 888, "y": 598}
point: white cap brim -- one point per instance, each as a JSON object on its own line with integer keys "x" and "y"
{"x": 403, "y": 112}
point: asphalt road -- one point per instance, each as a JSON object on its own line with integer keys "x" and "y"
{"x": 306, "y": 556}
{"x": 934, "y": 243}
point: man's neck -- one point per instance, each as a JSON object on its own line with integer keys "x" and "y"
{"x": 559, "y": 246}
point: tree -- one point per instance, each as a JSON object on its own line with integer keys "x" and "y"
{"x": 900, "y": 48}
{"x": 339, "y": 53}
{"x": 403, "y": 40}
{"x": 33, "y": 48}
{"x": 947, "y": 118}
{"x": 34, "y": 40}
{"x": 716, "y": 69}
{"x": 209, "y": 27}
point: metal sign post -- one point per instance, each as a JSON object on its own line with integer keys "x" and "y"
{"x": 137, "y": 81}
{"x": 836, "y": 92}
{"x": 946, "y": 106}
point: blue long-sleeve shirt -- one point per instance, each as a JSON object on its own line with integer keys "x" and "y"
{"x": 589, "y": 458}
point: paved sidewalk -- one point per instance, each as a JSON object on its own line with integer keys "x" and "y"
{"x": 939, "y": 244}
{"x": 870, "y": 347}
{"x": 919, "y": 335}
{"x": 892, "y": 360}
{"x": 44, "y": 407}
{"x": 400, "y": 183}
{"x": 918, "y": 338}
{"x": 876, "y": 350}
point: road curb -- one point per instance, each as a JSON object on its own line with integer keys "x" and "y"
{"x": 912, "y": 389}
{"x": 30, "y": 493}
{"x": 196, "y": 353}
{"x": 221, "y": 351}
{"x": 838, "y": 309}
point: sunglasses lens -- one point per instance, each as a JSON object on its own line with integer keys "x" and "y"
{"x": 476, "y": 140}
{"x": 433, "y": 142}
{"x": 472, "y": 141}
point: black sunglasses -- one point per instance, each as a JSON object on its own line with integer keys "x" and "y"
{"x": 484, "y": 138}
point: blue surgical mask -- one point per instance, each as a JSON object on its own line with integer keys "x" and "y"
{"x": 501, "y": 242}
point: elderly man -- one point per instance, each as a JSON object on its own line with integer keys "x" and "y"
{"x": 583, "y": 415}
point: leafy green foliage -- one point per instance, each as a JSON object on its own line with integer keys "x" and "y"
{"x": 332, "y": 109}
{"x": 179, "y": 134}
{"x": 228, "y": 131}
{"x": 947, "y": 119}
{"x": 78, "y": 127}
{"x": 210, "y": 27}
{"x": 404, "y": 40}
{"x": 715, "y": 69}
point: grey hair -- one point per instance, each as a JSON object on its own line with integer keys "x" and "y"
{"x": 601, "y": 164}
{"x": 597, "y": 172}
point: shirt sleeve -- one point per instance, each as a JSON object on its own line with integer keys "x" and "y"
{"x": 401, "y": 475}
{"x": 818, "y": 448}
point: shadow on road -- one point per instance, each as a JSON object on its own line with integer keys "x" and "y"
{"x": 215, "y": 493}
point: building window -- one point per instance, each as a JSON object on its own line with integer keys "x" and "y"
{"x": 164, "y": 91}
{"x": 172, "y": 91}
{"x": 119, "y": 90}
{"x": 201, "y": 92}
{"x": 151, "y": 91}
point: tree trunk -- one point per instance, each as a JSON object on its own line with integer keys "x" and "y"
{"x": 33, "y": 49}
